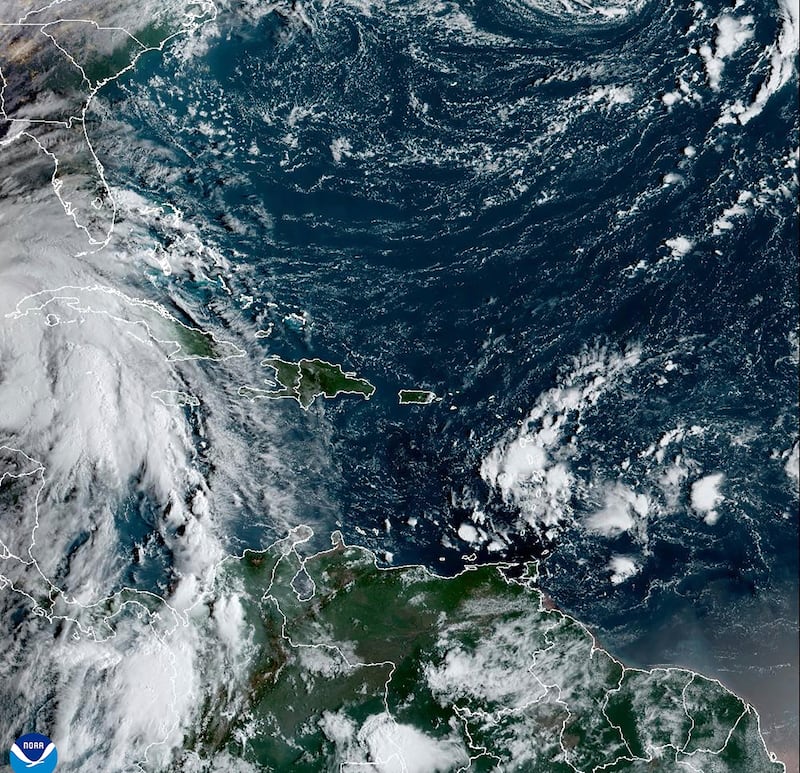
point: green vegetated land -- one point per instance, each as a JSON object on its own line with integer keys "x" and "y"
{"x": 52, "y": 66}
{"x": 148, "y": 321}
{"x": 352, "y": 665}
{"x": 307, "y": 380}
{"x": 80, "y": 42}
{"x": 416, "y": 397}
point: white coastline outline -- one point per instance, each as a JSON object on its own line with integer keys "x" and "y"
{"x": 287, "y": 546}
{"x": 430, "y": 397}
{"x": 67, "y": 295}
{"x": 529, "y": 582}
{"x": 256, "y": 393}
{"x": 196, "y": 14}
{"x": 182, "y": 617}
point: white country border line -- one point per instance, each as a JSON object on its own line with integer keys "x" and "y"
{"x": 206, "y": 12}
{"x": 301, "y": 534}
{"x": 462, "y": 711}
{"x": 38, "y": 468}
{"x": 690, "y": 676}
{"x": 66, "y": 294}
{"x": 338, "y": 539}
{"x": 177, "y": 618}
{"x": 257, "y": 393}
{"x": 297, "y": 536}
{"x": 54, "y": 591}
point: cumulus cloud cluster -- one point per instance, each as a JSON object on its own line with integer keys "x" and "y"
{"x": 114, "y": 501}
{"x": 551, "y": 486}
{"x": 530, "y": 467}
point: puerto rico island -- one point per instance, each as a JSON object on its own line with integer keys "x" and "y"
{"x": 417, "y": 397}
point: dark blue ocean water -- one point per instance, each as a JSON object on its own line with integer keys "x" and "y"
{"x": 460, "y": 198}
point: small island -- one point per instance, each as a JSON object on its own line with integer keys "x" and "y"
{"x": 417, "y": 397}
{"x": 306, "y": 380}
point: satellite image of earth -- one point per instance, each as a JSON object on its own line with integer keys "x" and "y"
{"x": 399, "y": 387}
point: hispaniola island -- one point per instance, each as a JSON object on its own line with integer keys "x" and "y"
{"x": 399, "y": 387}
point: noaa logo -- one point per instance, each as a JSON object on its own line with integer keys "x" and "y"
{"x": 33, "y": 751}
